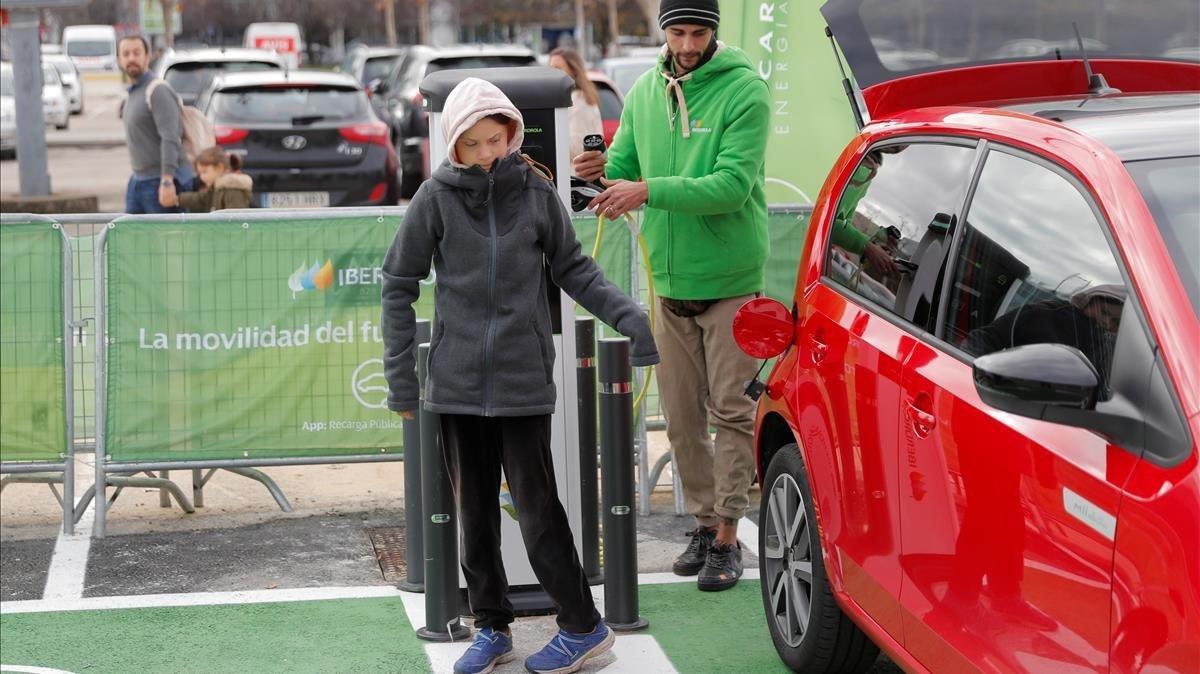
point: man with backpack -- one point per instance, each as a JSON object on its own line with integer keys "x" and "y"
{"x": 153, "y": 133}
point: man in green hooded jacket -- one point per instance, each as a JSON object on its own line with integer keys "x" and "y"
{"x": 691, "y": 149}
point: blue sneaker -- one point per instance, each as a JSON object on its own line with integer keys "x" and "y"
{"x": 567, "y": 652}
{"x": 489, "y": 649}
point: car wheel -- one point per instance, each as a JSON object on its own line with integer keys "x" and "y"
{"x": 808, "y": 628}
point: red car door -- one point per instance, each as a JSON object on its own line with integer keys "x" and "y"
{"x": 1009, "y": 522}
{"x": 855, "y": 332}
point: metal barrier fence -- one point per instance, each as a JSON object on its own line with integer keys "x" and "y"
{"x": 35, "y": 357}
{"x": 140, "y": 452}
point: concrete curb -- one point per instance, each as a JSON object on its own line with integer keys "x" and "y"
{"x": 93, "y": 142}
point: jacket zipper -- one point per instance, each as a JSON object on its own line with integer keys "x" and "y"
{"x": 671, "y": 172}
{"x": 491, "y": 322}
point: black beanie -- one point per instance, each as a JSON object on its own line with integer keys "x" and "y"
{"x": 699, "y": 12}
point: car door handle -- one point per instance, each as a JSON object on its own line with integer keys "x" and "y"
{"x": 922, "y": 420}
{"x": 817, "y": 348}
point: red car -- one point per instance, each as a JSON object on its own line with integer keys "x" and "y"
{"x": 978, "y": 445}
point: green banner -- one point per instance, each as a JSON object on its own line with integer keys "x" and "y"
{"x": 811, "y": 119}
{"x": 32, "y": 366}
{"x": 232, "y": 341}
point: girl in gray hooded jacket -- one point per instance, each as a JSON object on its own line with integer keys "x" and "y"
{"x": 488, "y": 225}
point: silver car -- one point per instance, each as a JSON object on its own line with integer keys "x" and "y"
{"x": 72, "y": 83}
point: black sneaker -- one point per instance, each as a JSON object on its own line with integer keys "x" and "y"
{"x": 722, "y": 568}
{"x": 692, "y": 559}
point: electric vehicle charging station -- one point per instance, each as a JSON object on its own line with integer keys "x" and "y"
{"x": 543, "y": 95}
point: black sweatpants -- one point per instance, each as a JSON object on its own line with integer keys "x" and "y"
{"x": 476, "y": 449}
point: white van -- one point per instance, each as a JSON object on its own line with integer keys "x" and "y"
{"x": 91, "y": 47}
{"x": 281, "y": 37}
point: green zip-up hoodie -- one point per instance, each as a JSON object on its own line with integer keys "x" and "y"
{"x": 702, "y": 158}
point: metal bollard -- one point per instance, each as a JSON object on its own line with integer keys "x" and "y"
{"x": 414, "y": 543}
{"x": 442, "y": 620}
{"x": 616, "y": 467}
{"x": 585, "y": 377}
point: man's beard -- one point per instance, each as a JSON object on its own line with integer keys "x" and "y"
{"x": 132, "y": 73}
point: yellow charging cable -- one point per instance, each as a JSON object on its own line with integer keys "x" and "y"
{"x": 600, "y": 222}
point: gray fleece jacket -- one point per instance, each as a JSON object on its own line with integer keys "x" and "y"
{"x": 487, "y": 235}
{"x": 152, "y": 134}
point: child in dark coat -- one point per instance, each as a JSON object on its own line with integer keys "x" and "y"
{"x": 488, "y": 223}
{"x": 225, "y": 186}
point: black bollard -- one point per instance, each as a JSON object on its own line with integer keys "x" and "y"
{"x": 585, "y": 378}
{"x": 414, "y": 548}
{"x": 442, "y": 620}
{"x": 616, "y": 468}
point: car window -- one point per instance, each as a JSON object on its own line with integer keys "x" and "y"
{"x": 1033, "y": 267}
{"x": 1171, "y": 188}
{"x": 289, "y": 105}
{"x": 63, "y": 68}
{"x": 89, "y": 48}
{"x": 893, "y": 223}
{"x": 610, "y": 105}
{"x": 191, "y": 78}
{"x": 378, "y": 68}
{"x": 50, "y": 76}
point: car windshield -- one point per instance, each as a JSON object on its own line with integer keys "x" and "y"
{"x": 62, "y": 67}
{"x": 378, "y": 68}
{"x": 89, "y": 48}
{"x": 191, "y": 78}
{"x": 1171, "y": 188}
{"x": 50, "y": 76}
{"x": 290, "y": 105}
{"x": 478, "y": 62}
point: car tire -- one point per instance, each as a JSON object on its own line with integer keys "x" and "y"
{"x": 824, "y": 640}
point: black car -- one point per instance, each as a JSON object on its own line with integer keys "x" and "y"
{"x": 308, "y": 138}
{"x": 398, "y": 99}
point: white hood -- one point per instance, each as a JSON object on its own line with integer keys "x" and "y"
{"x": 470, "y": 101}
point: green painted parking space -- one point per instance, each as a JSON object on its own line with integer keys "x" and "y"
{"x": 699, "y": 632}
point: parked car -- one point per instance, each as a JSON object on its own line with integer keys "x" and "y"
{"x": 371, "y": 64}
{"x": 625, "y": 70}
{"x": 189, "y": 72}
{"x": 72, "y": 83}
{"x": 978, "y": 445}
{"x": 307, "y": 138}
{"x": 55, "y": 107}
{"x": 612, "y": 102}
{"x": 91, "y": 47}
{"x": 8, "y": 112}
{"x": 399, "y": 100}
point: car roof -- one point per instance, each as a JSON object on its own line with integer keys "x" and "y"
{"x": 1134, "y": 127}
{"x": 303, "y": 77}
{"x": 376, "y": 52}
{"x": 463, "y": 50}
{"x": 221, "y": 54}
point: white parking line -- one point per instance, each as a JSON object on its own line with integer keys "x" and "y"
{"x": 197, "y": 599}
{"x": 748, "y": 535}
{"x": 68, "y": 565}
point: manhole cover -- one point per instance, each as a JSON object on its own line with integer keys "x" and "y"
{"x": 389, "y": 552}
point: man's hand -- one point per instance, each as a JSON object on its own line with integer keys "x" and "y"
{"x": 589, "y": 165}
{"x": 407, "y": 415}
{"x": 166, "y": 195}
{"x": 880, "y": 260}
{"x": 621, "y": 197}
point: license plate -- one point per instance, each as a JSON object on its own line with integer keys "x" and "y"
{"x": 297, "y": 199}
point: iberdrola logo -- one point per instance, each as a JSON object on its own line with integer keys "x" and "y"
{"x": 698, "y": 126}
{"x": 307, "y": 278}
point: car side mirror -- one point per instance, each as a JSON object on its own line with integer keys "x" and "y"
{"x": 763, "y": 328}
{"x": 1027, "y": 380}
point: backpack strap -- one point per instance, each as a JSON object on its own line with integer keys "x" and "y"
{"x": 154, "y": 84}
